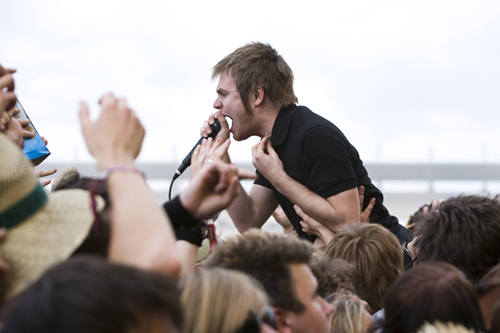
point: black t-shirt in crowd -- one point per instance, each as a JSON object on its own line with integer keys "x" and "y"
{"x": 316, "y": 154}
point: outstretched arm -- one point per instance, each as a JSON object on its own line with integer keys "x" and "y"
{"x": 141, "y": 233}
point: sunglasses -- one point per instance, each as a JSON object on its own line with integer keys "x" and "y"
{"x": 254, "y": 321}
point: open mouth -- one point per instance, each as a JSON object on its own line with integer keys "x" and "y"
{"x": 229, "y": 122}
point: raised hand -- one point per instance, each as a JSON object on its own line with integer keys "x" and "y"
{"x": 117, "y": 134}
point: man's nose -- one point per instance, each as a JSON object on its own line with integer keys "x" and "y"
{"x": 217, "y": 104}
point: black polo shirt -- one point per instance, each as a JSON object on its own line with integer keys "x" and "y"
{"x": 316, "y": 154}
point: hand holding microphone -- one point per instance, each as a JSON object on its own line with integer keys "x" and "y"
{"x": 186, "y": 162}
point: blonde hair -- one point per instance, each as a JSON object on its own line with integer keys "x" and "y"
{"x": 439, "y": 327}
{"x": 377, "y": 255}
{"x": 219, "y": 300}
{"x": 348, "y": 314}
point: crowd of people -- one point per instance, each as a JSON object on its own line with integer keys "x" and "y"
{"x": 102, "y": 255}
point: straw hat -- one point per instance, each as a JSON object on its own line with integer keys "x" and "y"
{"x": 42, "y": 230}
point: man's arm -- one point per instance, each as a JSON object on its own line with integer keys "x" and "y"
{"x": 252, "y": 210}
{"x": 337, "y": 212}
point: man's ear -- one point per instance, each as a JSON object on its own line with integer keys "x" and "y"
{"x": 258, "y": 95}
{"x": 282, "y": 321}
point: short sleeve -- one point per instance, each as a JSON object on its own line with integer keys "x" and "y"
{"x": 261, "y": 180}
{"x": 326, "y": 162}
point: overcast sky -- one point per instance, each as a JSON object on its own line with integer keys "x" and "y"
{"x": 406, "y": 81}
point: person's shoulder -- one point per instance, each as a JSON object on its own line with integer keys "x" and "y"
{"x": 308, "y": 118}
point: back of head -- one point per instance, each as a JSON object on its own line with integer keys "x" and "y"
{"x": 377, "y": 255}
{"x": 265, "y": 257}
{"x": 219, "y": 300}
{"x": 333, "y": 276}
{"x": 465, "y": 232}
{"x": 431, "y": 292}
{"x": 92, "y": 295}
{"x": 258, "y": 64}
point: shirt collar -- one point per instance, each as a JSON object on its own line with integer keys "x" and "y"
{"x": 282, "y": 124}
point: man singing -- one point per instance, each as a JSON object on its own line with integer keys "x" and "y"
{"x": 303, "y": 159}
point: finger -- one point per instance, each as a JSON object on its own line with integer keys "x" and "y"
{"x": 8, "y": 100}
{"x": 4, "y": 70}
{"x": 221, "y": 149}
{"x": 300, "y": 212}
{"x": 269, "y": 148}
{"x": 411, "y": 227}
{"x": 246, "y": 174}
{"x": 368, "y": 211}
{"x": 45, "y": 141}
{"x": 28, "y": 134}
{"x": 45, "y": 173}
{"x": 261, "y": 146}
{"x": 204, "y": 147}
{"x": 214, "y": 145}
{"x": 195, "y": 156}
{"x": 305, "y": 227}
{"x": 45, "y": 182}
{"x": 361, "y": 194}
{"x": 205, "y": 128}
{"x": 84, "y": 115}
{"x": 107, "y": 99}
{"x": 24, "y": 122}
{"x": 210, "y": 121}
{"x": 7, "y": 81}
{"x": 222, "y": 120}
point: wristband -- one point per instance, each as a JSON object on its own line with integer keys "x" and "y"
{"x": 121, "y": 168}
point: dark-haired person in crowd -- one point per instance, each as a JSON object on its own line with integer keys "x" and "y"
{"x": 465, "y": 232}
{"x": 430, "y": 292}
{"x": 488, "y": 292}
{"x": 302, "y": 159}
{"x": 92, "y": 295}
{"x": 280, "y": 264}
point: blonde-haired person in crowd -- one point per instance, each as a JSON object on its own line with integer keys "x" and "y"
{"x": 350, "y": 314}
{"x": 224, "y": 301}
{"x": 377, "y": 256}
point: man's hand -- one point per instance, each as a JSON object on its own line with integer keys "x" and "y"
{"x": 213, "y": 188}
{"x": 116, "y": 136}
{"x": 205, "y": 130}
{"x": 266, "y": 160}
{"x": 365, "y": 214}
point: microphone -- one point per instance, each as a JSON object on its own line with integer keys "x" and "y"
{"x": 186, "y": 162}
